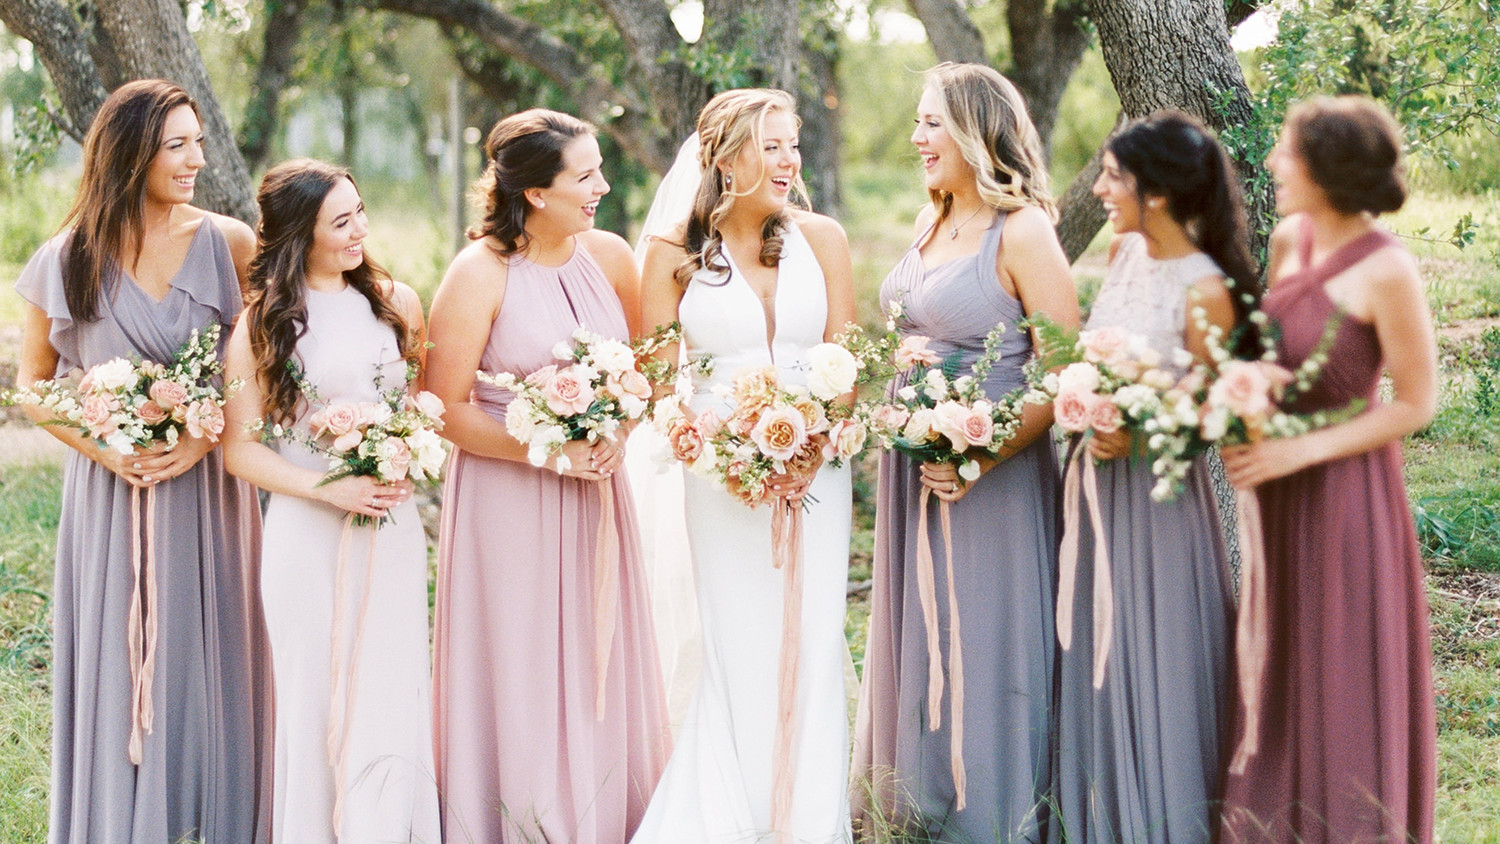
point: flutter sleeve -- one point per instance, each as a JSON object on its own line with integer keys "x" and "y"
{"x": 41, "y": 284}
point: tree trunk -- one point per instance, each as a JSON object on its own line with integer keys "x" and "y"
{"x": 152, "y": 40}
{"x": 262, "y": 113}
{"x": 951, "y": 31}
{"x": 1046, "y": 48}
{"x": 63, "y": 47}
{"x": 817, "y": 103}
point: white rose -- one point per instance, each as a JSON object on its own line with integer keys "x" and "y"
{"x": 612, "y": 356}
{"x": 1215, "y": 424}
{"x": 1050, "y": 383}
{"x": 907, "y": 393}
{"x": 834, "y": 370}
{"x": 117, "y": 374}
{"x": 563, "y": 350}
{"x": 1083, "y": 377}
{"x": 426, "y": 452}
{"x": 520, "y": 420}
{"x": 634, "y": 407}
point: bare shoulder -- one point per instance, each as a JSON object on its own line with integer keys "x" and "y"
{"x": 925, "y": 218}
{"x": 820, "y": 230}
{"x": 236, "y": 232}
{"x": 606, "y": 246}
{"x": 1028, "y": 223}
{"x": 1393, "y": 269}
{"x": 403, "y": 296}
{"x": 476, "y": 275}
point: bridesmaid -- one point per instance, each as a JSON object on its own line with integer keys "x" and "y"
{"x": 1336, "y": 737}
{"x": 985, "y": 254}
{"x": 135, "y": 270}
{"x": 1140, "y": 708}
{"x": 522, "y": 755}
{"x": 354, "y": 745}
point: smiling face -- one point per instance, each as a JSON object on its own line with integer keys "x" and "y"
{"x": 339, "y": 235}
{"x": 943, "y": 164}
{"x": 762, "y": 176}
{"x": 179, "y": 156}
{"x": 572, "y": 200}
{"x": 1115, "y": 187}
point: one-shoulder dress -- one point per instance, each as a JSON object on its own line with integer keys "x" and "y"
{"x": 205, "y": 771}
{"x": 382, "y": 777}
{"x": 1004, "y": 533}
{"x": 1347, "y": 728}
{"x": 718, "y": 785}
{"x": 521, "y": 755}
{"x": 1139, "y": 759}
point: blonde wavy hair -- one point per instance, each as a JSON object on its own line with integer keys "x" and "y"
{"x": 729, "y": 122}
{"x": 986, "y": 116}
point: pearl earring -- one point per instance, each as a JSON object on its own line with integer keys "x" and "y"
{"x": 728, "y": 179}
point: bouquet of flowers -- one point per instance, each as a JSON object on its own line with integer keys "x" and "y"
{"x": 600, "y": 385}
{"x": 941, "y": 416}
{"x": 125, "y": 405}
{"x": 772, "y": 428}
{"x": 390, "y": 440}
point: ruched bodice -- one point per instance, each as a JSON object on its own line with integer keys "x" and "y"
{"x": 957, "y": 303}
{"x": 538, "y": 300}
{"x": 722, "y": 318}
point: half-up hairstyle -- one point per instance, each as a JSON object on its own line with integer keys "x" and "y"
{"x": 290, "y": 197}
{"x": 731, "y": 121}
{"x": 987, "y": 118}
{"x": 1352, "y": 148}
{"x": 523, "y": 151}
{"x": 111, "y": 202}
{"x": 1174, "y": 156}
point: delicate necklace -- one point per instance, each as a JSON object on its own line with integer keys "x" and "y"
{"x": 953, "y": 228}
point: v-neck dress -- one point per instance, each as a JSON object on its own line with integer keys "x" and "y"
{"x": 521, "y": 756}
{"x": 1347, "y": 730}
{"x": 205, "y": 767}
{"x": 1005, "y": 561}
{"x": 718, "y": 784}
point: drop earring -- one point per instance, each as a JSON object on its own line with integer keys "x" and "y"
{"x": 728, "y": 179}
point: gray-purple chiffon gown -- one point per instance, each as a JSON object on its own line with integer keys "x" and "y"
{"x": 1005, "y": 560}
{"x": 205, "y": 766}
{"x": 1139, "y": 759}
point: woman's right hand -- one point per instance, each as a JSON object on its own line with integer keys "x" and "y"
{"x": 1112, "y": 445}
{"x": 589, "y": 461}
{"x": 134, "y": 468}
{"x": 364, "y": 495}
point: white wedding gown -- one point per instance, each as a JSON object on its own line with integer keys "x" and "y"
{"x": 718, "y": 783}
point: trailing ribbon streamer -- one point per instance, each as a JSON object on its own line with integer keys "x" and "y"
{"x": 786, "y": 554}
{"x": 344, "y": 686}
{"x": 927, "y": 593}
{"x": 1104, "y": 602}
{"x": 141, "y": 627}
{"x": 1252, "y": 637}
{"x": 606, "y": 591}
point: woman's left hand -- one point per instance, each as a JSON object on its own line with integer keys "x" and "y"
{"x": 1249, "y": 466}
{"x": 1110, "y": 446}
{"x": 943, "y": 480}
{"x": 163, "y": 464}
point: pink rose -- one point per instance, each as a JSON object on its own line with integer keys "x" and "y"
{"x": 912, "y": 351}
{"x": 812, "y": 414}
{"x": 780, "y": 432}
{"x": 1106, "y": 417}
{"x": 151, "y": 413}
{"x": 845, "y": 440}
{"x": 399, "y": 459}
{"x": 540, "y": 377}
{"x": 889, "y": 416}
{"x": 635, "y": 384}
{"x": 335, "y": 420}
{"x": 429, "y": 405}
{"x": 978, "y": 428}
{"x": 949, "y": 417}
{"x": 708, "y": 424}
{"x": 686, "y": 440}
{"x": 168, "y": 394}
{"x": 1244, "y": 388}
{"x": 98, "y": 414}
{"x": 567, "y": 394}
{"x": 205, "y": 420}
{"x": 1105, "y": 345}
{"x": 1074, "y": 409}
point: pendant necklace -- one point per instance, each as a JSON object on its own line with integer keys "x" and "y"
{"x": 953, "y": 229}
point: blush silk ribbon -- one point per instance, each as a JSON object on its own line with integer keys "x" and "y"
{"x": 344, "y": 686}
{"x": 927, "y": 593}
{"x": 1104, "y": 603}
{"x": 786, "y": 555}
{"x": 606, "y": 590}
{"x": 1252, "y": 636}
{"x": 141, "y": 626}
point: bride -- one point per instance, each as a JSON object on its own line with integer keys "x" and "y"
{"x": 753, "y": 283}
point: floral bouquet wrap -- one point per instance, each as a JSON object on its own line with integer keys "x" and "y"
{"x": 943, "y": 416}
{"x": 128, "y": 405}
{"x": 598, "y": 387}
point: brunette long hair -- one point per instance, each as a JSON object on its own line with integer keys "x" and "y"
{"x": 731, "y": 120}
{"x": 1176, "y": 157}
{"x": 111, "y": 202}
{"x": 988, "y": 120}
{"x": 290, "y": 197}
{"x": 523, "y": 151}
